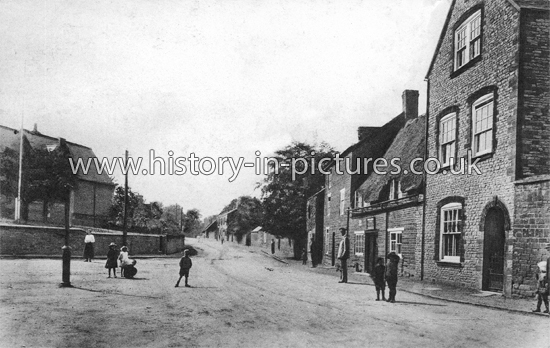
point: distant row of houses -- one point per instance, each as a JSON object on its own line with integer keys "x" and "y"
{"x": 488, "y": 100}
{"x": 90, "y": 200}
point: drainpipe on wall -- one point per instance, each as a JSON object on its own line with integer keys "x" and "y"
{"x": 425, "y": 179}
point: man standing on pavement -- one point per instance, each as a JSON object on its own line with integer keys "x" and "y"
{"x": 312, "y": 252}
{"x": 343, "y": 255}
{"x": 273, "y": 246}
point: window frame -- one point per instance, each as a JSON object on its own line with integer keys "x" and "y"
{"x": 458, "y": 232}
{"x": 342, "y": 201}
{"x": 453, "y": 143}
{"x": 398, "y": 232}
{"x": 362, "y": 243}
{"x": 485, "y": 100}
{"x": 329, "y": 197}
{"x": 472, "y": 45}
{"x": 327, "y": 241}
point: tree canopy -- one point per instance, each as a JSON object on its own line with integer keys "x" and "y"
{"x": 285, "y": 196}
{"x": 248, "y": 216}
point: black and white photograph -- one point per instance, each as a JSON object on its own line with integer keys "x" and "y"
{"x": 289, "y": 173}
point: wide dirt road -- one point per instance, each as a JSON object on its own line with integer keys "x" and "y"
{"x": 239, "y": 298}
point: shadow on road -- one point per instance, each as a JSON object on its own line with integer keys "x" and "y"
{"x": 420, "y": 303}
{"x": 114, "y": 293}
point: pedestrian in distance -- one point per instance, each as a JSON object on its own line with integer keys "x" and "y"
{"x": 112, "y": 256}
{"x": 378, "y": 277}
{"x": 542, "y": 286}
{"x": 312, "y": 251}
{"x": 273, "y": 246}
{"x": 304, "y": 256}
{"x": 89, "y": 241}
{"x": 185, "y": 266}
{"x": 343, "y": 255}
{"x": 391, "y": 275}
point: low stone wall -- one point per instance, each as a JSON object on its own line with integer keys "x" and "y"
{"x": 20, "y": 240}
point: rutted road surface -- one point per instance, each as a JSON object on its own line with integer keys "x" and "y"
{"x": 238, "y": 298}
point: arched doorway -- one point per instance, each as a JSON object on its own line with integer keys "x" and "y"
{"x": 494, "y": 242}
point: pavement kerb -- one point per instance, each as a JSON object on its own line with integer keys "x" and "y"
{"x": 524, "y": 312}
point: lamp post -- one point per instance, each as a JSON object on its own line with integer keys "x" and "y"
{"x": 124, "y": 226}
{"x": 66, "y": 248}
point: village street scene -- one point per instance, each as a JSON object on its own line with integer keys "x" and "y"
{"x": 291, "y": 174}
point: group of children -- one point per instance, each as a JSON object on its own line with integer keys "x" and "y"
{"x": 113, "y": 258}
{"x": 382, "y": 275}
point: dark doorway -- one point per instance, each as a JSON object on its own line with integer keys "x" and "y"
{"x": 370, "y": 251}
{"x": 493, "y": 250}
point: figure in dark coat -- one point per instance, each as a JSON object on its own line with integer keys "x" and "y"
{"x": 378, "y": 277}
{"x": 304, "y": 256}
{"x": 391, "y": 275}
{"x": 343, "y": 256}
{"x": 112, "y": 259}
{"x": 312, "y": 251}
{"x": 273, "y": 246}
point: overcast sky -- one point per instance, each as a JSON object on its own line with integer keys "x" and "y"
{"x": 217, "y": 78}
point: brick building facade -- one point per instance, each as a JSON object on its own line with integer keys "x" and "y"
{"x": 347, "y": 173}
{"x": 488, "y": 99}
{"x": 392, "y": 204}
{"x": 90, "y": 199}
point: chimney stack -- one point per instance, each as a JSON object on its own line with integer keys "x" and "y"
{"x": 367, "y": 132}
{"x": 410, "y": 104}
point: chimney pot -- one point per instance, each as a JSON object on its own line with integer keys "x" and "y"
{"x": 410, "y": 104}
{"x": 366, "y": 132}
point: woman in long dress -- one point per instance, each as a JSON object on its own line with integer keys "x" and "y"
{"x": 89, "y": 241}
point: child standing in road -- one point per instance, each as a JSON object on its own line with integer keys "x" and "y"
{"x": 304, "y": 256}
{"x": 185, "y": 266}
{"x": 378, "y": 278}
{"x": 112, "y": 256}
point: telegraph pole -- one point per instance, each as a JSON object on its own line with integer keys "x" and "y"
{"x": 124, "y": 225}
{"x": 19, "y": 183}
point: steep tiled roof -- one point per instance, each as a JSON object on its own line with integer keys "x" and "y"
{"x": 407, "y": 145}
{"x": 10, "y": 138}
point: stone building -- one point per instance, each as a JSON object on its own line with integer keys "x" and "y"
{"x": 391, "y": 204}
{"x": 488, "y": 102}
{"x": 90, "y": 199}
{"x": 346, "y": 174}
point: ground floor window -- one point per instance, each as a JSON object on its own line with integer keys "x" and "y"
{"x": 327, "y": 241}
{"x": 396, "y": 237}
{"x": 451, "y": 232}
{"x": 359, "y": 245}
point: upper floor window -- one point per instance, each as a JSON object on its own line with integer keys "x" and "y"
{"x": 395, "y": 190}
{"x": 358, "y": 200}
{"x": 329, "y": 179}
{"x": 451, "y": 232}
{"x": 342, "y": 201}
{"x": 482, "y": 125}
{"x": 447, "y": 139}
{"x": 468, "y": 40}
{"x": 328, "y": 204}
